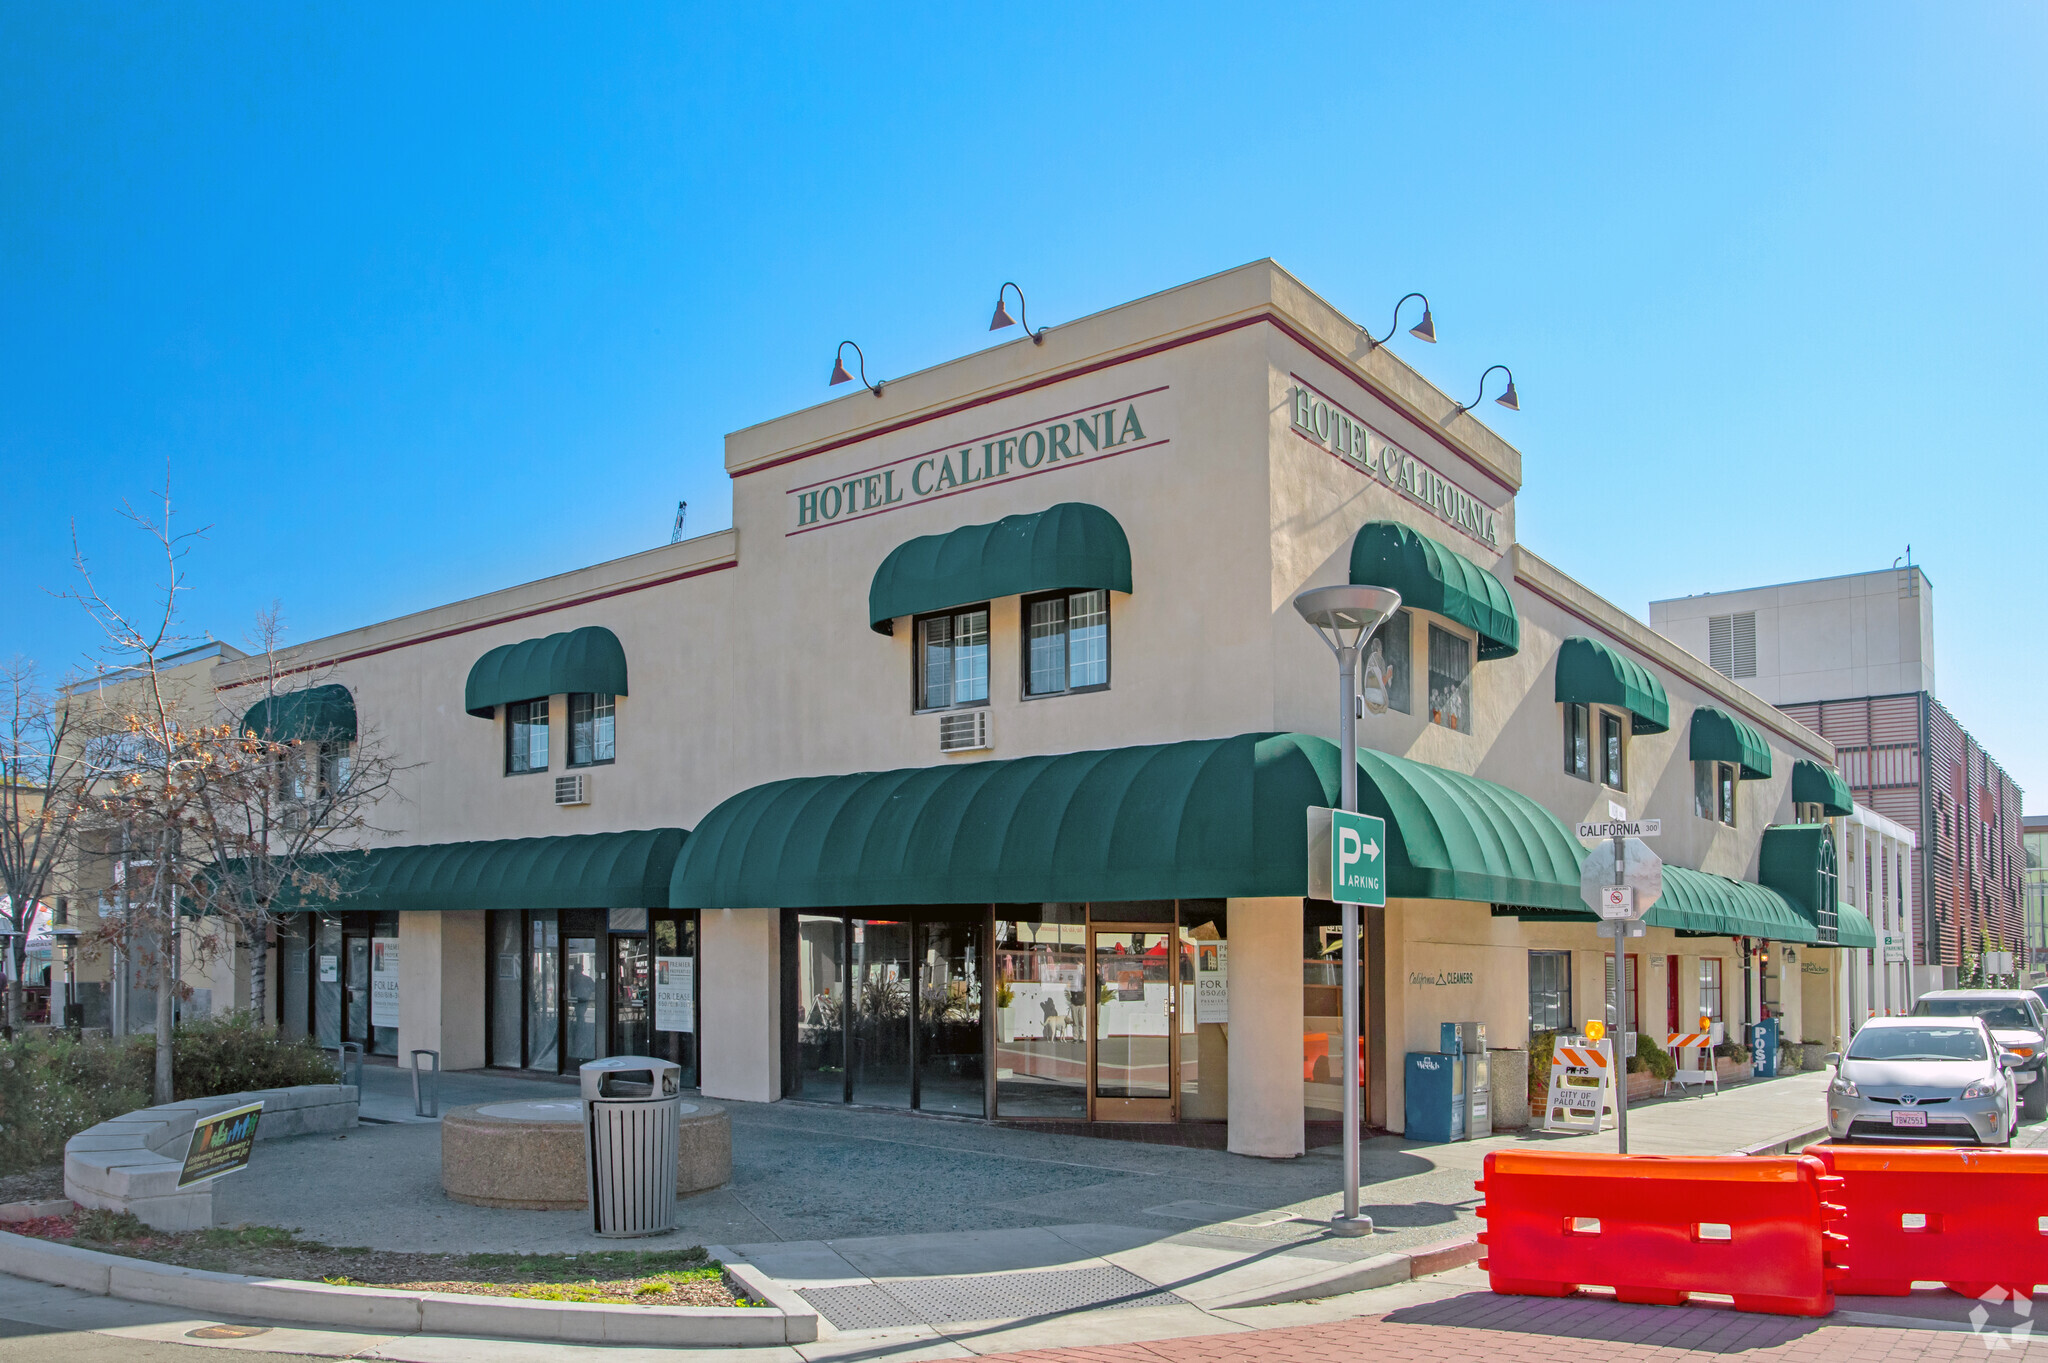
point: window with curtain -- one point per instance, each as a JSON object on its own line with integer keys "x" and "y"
{"x": 1612, "y": 733}
{"x": 1713, "y": 791}
{"x": 593, "y": 728}
{"x": 1450, "y": 679}
{"x": 1625, "y": 1020}
{"x": 1385, "y": 674}
{"x": 1550, "y": 991}
{"x": 1066, "y": 643}
{"x": 1710, "y": 987}
{"x": 526, "y": 736}
{"x": 1578, "y": 741}
{"x": 952, "y": 659}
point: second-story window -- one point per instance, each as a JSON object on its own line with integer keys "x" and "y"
{"x": 1450, "y": 679}
{"x": 1713, "y": 791}
{"x": 592, "y": 728}
{"x": 952, "y": 659}
{"x": 526, "y": 736}
{"x": 1066, "y": 643}
{"x": 1383, "y": 673}
{"x": 1612, "y": 740}
{"x": 1578, "y": 741}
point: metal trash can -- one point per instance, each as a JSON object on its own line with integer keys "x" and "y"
{"x": 632, "y": 1117}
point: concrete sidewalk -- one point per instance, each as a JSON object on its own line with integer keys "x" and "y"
{"x": 891, "y": 1222}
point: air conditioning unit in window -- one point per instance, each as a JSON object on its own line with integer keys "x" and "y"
{"x": 964, "y": 731}
{"x": 572, "y": 790}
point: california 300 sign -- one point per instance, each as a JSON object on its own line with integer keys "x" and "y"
{"x": 1347, "y": 857}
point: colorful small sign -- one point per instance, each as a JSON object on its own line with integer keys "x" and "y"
{"x": 220, "y": 1144}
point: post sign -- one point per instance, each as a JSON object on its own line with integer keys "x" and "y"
{"x": 1347, "y": 857}
{"x": 220, "y": 1144}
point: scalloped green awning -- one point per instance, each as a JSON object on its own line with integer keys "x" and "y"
{"x": 1434, "y": 577}
{"x": 1700, "y": 902}
{"x": 1853, "y": 928}
{"x": 1069, "y": 547}
{"x": 1207, "y": 818}
{"x": 1591, "y": 673}
{"x": 1813, "y": 784}
{"x": 1718, "y": 736}
{"x": 318, "y": 714}
{"x": 586, "y": 659}
{"x": 1798, "y": 861}
{"x": 571, "y": 871}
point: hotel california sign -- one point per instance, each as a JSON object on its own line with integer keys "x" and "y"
{"x": 1316, "y": 418}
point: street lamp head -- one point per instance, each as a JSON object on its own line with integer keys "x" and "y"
{"x": 1346, "y": 615}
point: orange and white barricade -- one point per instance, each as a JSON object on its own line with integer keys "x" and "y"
{"x": 1581, "y": 1085}
{"x": 1693, "y": 1053}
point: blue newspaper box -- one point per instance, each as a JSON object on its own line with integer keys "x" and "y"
{"x": 1436, "y": 1096}
{"x": 1763, "y": 1049}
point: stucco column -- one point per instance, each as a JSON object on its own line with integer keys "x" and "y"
{"x": 740, "y": 984}
{"x": 441, "y": 987}
{"x": 1265, "y": 1028}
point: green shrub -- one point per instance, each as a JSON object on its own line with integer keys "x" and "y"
{"x": 53, "y": 1086}
{"x": 233, "y": 1054}
{"x": 1542, "y": 1047}
{"x": 1733, "y": 1050}
{"x": 1652, "y": 1057}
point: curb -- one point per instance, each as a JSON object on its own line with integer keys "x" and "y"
{"x": 1784, "y": 1145}
{"x": 35, "y": 1211}
{"x": 787, "y": 1320}
{"x": 1381, "y": 1270}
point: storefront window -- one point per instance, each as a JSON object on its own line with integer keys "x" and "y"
{"x": 1042, "y": 1013}
{"x": 821, "y": 1009}
{"x": 327, "y": 981}
{"x": 952, "y": 659}
{"x": 951, "y": 1075}
{"x": 1710, "y": 988}
{"x": 1322, "y": 1011}
{"x": 580, "y": 989}
{"x": 880, "y": 1033}
{"x": 508, "y": 988}
{"x": 1204, "y": 1010}
{"x": 675, "y": 991}
{"x": 1625, "y": 1020}
{"x": 1450, "y": 679}
{"x": 1550, "y": 991}
{"x": 543, "y": 990}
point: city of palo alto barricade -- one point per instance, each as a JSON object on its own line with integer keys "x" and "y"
{"x": 1656, "y": 1229}
{"x": 1581, "y": 1096}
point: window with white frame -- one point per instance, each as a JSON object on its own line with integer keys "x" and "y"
{"x": 1385, "y": 674}
{"x": 1713, "y": 791}
{"x": 526, "y": 736}
{"x": 593, "y": 728}
{"x": 952, "y": 659}
{"x": 1066, "y": 643}
{"x": 1710, "y": 987}
{"x": 1450, "y": 679}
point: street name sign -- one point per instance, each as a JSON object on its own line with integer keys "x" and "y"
{"x": 1623, "y": 828}
{"x": 1347, "y": 857}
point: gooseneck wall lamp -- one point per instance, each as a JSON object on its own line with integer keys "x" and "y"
{"x": 1003, "y": 319}
{"x": 1508, "y": 399}
{"x": 839, "y": 374}
{"x": 1425, "y": 330}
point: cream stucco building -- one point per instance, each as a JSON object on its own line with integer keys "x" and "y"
{"x": 967, "y": 770}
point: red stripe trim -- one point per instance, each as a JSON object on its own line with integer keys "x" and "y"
{"x": 494, "y": 620}
{"x": 1342, "y": 365}
{"x": 1730, "y": 703}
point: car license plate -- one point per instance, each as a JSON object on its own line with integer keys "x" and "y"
{"x": 1909, "y": 1119}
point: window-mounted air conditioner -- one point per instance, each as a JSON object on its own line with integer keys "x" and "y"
{"x": 964, "y": 731}
{"x": 572, "y": 790}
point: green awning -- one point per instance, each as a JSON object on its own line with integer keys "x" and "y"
{"x": 1711, "y": 905}
{"x": 1798, "y": 861}
{"x": 586, "y": 659}
{"x": 1433, "y": 577}
{"x": 1718, "y": 736}
{"x": 1591, "y": 673}
{"x": 1813, "y": 784}
{"x": 1207, "y": 818}
{"x": 570, "y": 871}
{"x": 1853, "y": 928}
{"x": 1069, "y": 547}
{"x": 318, "y": 714}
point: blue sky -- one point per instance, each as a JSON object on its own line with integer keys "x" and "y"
{"x": 420, "y": 301}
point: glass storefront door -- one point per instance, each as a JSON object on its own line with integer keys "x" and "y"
{"x": 581, "y": 990}
{"x": 355, "y": 990}
{"x": 632, "y": 1011}
{"x": 880, "y": 1031}
{"x": 1133, "y": 1069}
{"x": 674, "y": 943}
{"x": 951, "y": 1074}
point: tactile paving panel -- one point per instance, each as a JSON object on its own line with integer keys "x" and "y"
{"x": 991, "y": 1296}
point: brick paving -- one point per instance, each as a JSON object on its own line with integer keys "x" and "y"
{"x": 1482, "y": 1328}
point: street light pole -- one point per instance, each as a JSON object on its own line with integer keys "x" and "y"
{"x": 1345, "y": 617}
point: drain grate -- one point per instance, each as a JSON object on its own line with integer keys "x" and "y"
{"x": 988, "y": 1296}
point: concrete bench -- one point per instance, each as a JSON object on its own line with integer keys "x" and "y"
{"x": 131, "y": 1163}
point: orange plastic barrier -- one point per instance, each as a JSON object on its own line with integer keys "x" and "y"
{"x": 1657, "y": 1228}
{"x": 1972, "y": 1219}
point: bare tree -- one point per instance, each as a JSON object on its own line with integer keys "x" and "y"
{"x": 50, "y": 754}
{"x": 283, "y": 792}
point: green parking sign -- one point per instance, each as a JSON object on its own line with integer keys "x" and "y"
{"x": 1358, "y": 859}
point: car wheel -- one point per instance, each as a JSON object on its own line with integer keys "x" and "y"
{"x": 2035, "y": 1104}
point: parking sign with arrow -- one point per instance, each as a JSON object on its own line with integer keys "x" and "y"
{"x": 1347, "y": 860}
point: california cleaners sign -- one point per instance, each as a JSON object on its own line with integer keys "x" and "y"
{"x": 1115, "y": 427}
{"x": 1344, "y": 435}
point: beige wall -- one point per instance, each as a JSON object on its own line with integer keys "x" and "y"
{"x": 1265, "y": 1028}
{"x": 740, "y": 990}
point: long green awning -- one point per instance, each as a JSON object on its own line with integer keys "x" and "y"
{"x": 1591, "y": 673}
{"x": 1434, "y": 577}
{"x": 1069, "y": 547}
{"x": 1208, "y": 818}
{"x": 1718, "y": 736}
{"x": 318, "y": 714}
{"x": 1798, "y": 861}
{"x": 570, "y": 871}
{"x": 1700, "y": 902}
{"x": 1813, "y": 784}
{"x": 1853, "y": 928}
{"x": 586, "y": 659}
